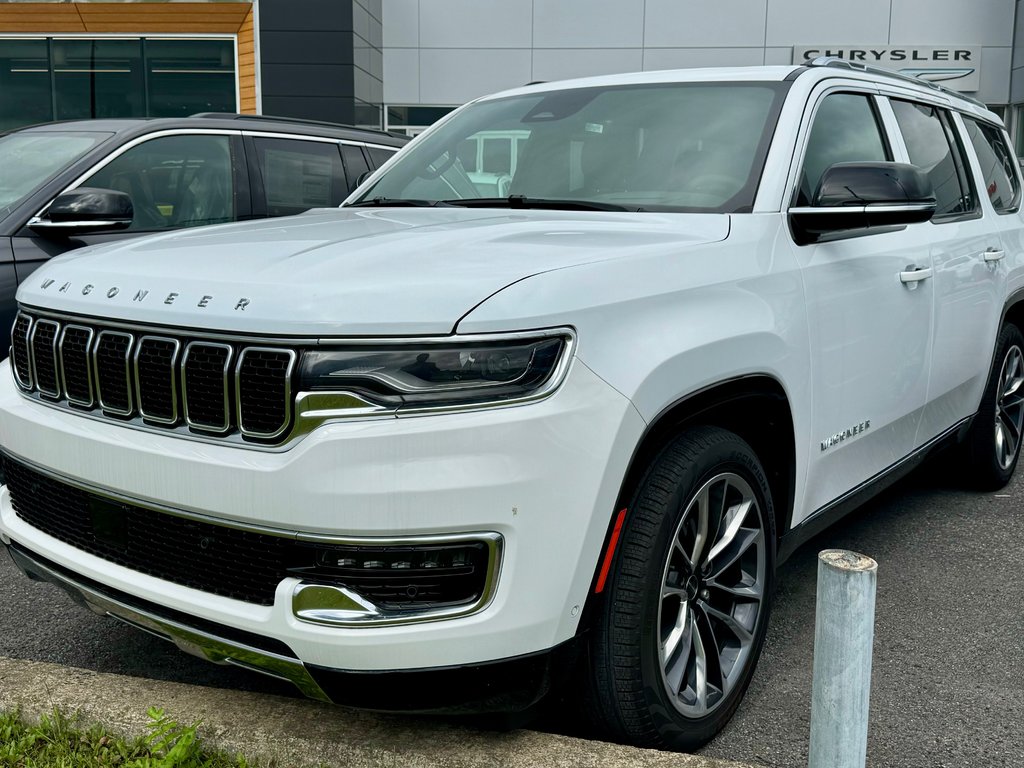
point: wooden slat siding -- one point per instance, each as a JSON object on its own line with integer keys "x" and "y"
{"x": 133, "y": 18}
{"x": 39, "y": 17}
{"x": 224, "y": 18}
{"x": 247, "y": 65}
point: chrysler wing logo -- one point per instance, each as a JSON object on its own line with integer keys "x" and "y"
{"x": 937, "y": 75}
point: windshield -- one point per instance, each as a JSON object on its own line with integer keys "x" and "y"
{"x": 30, "y": 158}
{"x": 675, "y": 147}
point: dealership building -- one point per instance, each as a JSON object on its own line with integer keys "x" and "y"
{"x": 402, "y": 64}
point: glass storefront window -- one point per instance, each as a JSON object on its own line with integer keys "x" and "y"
{"x": 97, "y": 78}
{"x": 189, "y": 76}
{"x": 25, "y": 96}
{"x": 66, "y": 78}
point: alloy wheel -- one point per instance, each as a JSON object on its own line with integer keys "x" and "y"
{"x": 713, "y": 592}
{"x": 1009, "y": 407}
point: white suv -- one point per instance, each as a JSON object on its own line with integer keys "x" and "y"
{"x": 436, "y": 451}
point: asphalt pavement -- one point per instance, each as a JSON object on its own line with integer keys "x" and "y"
{"x": 948, "y": 678}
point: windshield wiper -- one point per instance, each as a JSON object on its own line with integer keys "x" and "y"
{"x": 396, "y": 202}
{"x": 522, "y": 201}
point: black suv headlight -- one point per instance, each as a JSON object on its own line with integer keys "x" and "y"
{"x": 439, "y": 374}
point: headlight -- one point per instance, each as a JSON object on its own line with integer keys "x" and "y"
{"x": 438, "y": 374}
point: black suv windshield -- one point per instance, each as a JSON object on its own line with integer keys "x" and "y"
{"x": 674, "y": 147}
{"x": 29, "y": 158}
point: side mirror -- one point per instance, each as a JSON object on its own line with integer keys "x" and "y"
{"x": 861, "y": 198}
{"x": 84, "y": 210}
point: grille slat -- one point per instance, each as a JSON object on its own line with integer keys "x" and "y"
{"x": 44, "y": 357}
{"x": 205, "y": 384}
{"x": 21, "y": 364}
{"x": 156, "y": 375}
{"x": 263, "y": 382}
{"x": 191, "y": 386}
{"x": 76, "y": 370}
{"x": 112, "y": 358}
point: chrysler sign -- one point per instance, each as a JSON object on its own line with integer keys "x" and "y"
{"x": 955, "y": 66}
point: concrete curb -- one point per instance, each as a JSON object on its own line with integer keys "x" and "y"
{"x": 296, "y": 733}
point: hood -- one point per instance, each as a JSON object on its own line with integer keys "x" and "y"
{"x": 403, "y": 271}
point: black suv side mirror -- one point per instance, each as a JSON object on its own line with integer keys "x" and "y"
{"x": 856, "y": 199}
{"x": 84, "y": 210}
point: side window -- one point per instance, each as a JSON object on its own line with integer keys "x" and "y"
{"x": 379, "y": 156}
{"x": 174, "y": 181}
{"x": 997, "y": 165}
{"x": 355, "y": 164}
{"x": 845, "y": 130}
{"x": 299, "y": 175}
{"x": 934, "y": 149}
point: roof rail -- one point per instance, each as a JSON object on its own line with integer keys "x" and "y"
{"x": 836, "y": 62}
{"x": 279, "y": 119}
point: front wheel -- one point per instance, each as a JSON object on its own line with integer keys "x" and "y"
{"x": 994, "y": 440}
{"x": 685, "y": 614}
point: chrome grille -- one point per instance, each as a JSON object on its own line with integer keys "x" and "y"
{"x": 112, "y": 358}
{"x": 74, "y": 348}
{"x": 156, "y": 375}
{"x": 21, "y": 360}
{"x": 44, "y": 357}
{"x": 205, "y": 387}
{"x": 263, "y": 383}
{"x": 207, "y": 396}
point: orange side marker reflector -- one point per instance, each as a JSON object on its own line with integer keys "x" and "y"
{"x": 610, "y": 553}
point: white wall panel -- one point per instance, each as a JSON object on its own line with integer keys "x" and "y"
{"x": 681, "y": 58}
{"x": 560, "y": 64}
{"x": 450, "y": 76}
{"x": 782, "y": 55}
{"x": 401, "y": 76}
{"x": 588, "y": 23}
{"x": 995, "y": 76}
{"x": 937, "y": 22}
{"x": 723, "y": 23}
{"x": 476, "y": 24}
{"x": 797, "y": 22}
{"x": 401, "y": 23}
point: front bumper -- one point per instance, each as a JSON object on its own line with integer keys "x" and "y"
{"x": 543, "y": 476}
{"x": 508, "y": 685}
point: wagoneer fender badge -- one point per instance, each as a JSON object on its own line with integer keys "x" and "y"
{"x": 141, "y": 294}
{"x": 845, "y": 434}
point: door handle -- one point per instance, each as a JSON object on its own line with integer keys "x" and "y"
{"x": 993, "y": 255}
{"x": 913, "y": 275}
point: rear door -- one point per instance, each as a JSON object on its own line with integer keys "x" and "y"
{"x": 968, "y": 288}
{"x": 291, "y": 175}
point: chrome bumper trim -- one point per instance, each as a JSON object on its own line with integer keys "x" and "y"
{"x": 192, "y": 641}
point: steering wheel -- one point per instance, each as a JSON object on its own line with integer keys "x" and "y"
{"x": 439, "y": 166}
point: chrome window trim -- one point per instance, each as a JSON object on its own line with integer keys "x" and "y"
{"x": 101, "y": 164}
{"x": 225, "y": 380}
{"x": 174, "y": 378}
{"x": 55, "y": 395}
{"x": 293, "y": 358}
{"x": 127, "y": 371}
{"x": 89, "y": 368}
{"x": 30, "y": 384}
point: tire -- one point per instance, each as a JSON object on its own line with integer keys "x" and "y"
{"x": 992, "y": 446}
{"x": 659, "y": 616}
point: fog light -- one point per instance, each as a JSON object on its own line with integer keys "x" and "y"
{"x": 414, "y": 579}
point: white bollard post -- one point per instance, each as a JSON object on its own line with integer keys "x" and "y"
{"x": 843, "y": 633}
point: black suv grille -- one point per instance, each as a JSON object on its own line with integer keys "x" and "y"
{"x": 223, "y": 561}
{"x": 212, "y": 388}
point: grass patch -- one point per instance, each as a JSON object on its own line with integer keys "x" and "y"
{"x": 58, "y": 742}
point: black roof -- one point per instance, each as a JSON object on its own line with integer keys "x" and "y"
{"x": 230, "y": 121}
